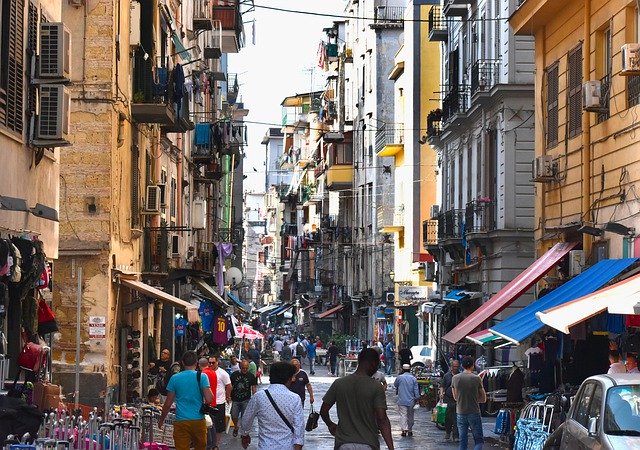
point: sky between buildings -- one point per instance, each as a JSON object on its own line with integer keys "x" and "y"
{"x": 282, "y": 62}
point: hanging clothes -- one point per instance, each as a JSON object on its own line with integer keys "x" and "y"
{"x": 178, "y": 87}
{"x": 224, "y": 251}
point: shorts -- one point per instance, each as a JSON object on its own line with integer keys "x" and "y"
{"x": 238, "y": 408}
{"x": 219, "y": 419}
{"x": 189, "y": 434}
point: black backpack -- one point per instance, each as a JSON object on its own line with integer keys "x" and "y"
{"x": 163, "y": 382}
{"x": 299, "y": 350}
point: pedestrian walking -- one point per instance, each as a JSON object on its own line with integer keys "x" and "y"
{"x": 301, "y": 382}
{"x": 632, "y": 363}
{"x": 278, "y": 344}
{"x": 362, "y": 407}
{"x": 223, "y": 396}
{"x": 311, "y": 356}
{"x": 279, "y": 412}
{"x": 468, "y": 393}
{"x": 332, "y": 354}
{"x": 408, "y": 393}
{"x": 389, "y": 357}
{"x": 286, "y": 354}
{"x": 188, "y": 389}
{"x": 254, "y": 355}
{"x": 213, "y": 383}
{"x": 446, "y": 394}
{"x": 243, "y": 386}
{"x": 405, "y": 356}
{"x": 234, "y": 364}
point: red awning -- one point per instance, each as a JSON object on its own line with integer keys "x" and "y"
{"x": 309, "y": 306}
{"x": 328, "y": 312}
{"x": 518, "y": 286}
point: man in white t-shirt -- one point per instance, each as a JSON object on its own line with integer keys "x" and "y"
{"x": 223, "y": 396}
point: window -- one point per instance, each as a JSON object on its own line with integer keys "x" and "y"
{"x": 596, "y": 402}
{"x": 605, "y": 81}
{"x": 12, "y": 64}
{"x": 581, "y": 412}
{"x": 552, "y": 105}
{"x": 633, "y": 82}
{"x": 342, "y": 154}
{"x": 135, "y": 186}
{"x": 174, "y": 197}
{"x": 574, "y": 91}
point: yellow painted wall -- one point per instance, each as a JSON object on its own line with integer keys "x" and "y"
{"x": 614, "y": 164}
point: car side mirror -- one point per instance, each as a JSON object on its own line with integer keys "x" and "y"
{"x": 593, "y": 426}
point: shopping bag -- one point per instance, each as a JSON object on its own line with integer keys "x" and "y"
{"x": 441, "y": 408}
{"x": 312, "y": 420}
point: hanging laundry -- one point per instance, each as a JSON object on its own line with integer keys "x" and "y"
{"x": 181, "y": 326}
{"x": 224, "y": 251}
{"x": 178, "y": 87}
{"x": 206, "y": 315}
{"x": 202, "y": 134}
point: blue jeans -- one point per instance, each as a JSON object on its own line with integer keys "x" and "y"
{"x": 475, "y": 422}
{"x": 388, "y": 361}
{"x": 312, "y": 360}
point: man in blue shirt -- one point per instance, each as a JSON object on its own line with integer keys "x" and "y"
{"x": 189, "y": 389}
{"x": 389, "y": 357}
{"x": 408, "y": 393}
{"x": 311, "y": 355}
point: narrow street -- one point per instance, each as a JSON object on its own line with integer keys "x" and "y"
{"x": 426, "y": 435}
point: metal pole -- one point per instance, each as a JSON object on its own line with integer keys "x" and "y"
{"x": 78, "y": 313}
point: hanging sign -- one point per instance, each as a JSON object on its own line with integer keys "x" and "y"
{"x": 411, "y": 295}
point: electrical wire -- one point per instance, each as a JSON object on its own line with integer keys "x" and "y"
{"x": 364, "y": 18}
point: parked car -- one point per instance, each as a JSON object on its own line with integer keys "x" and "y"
{"x": 421, "y": 355}
{"x": 604, "y": 414}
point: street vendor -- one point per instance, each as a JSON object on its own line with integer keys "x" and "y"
{"x": 162, "y": 365}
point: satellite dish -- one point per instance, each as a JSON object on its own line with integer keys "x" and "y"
{"x": 233, "y": 276}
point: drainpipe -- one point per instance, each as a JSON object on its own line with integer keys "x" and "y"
{"x": 540, "y": 49}
{"x": 179, "y": 201}
{"x": 586, "y": 128}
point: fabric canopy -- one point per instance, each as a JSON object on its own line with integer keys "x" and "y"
{"x": 280, "y": 308}
{"x": 238, "y": 303}
{"x": 524, "y": 323}
{"x": 619, "y": 298}
{"x": 510, "y": 292}
{"x": 209, "y": 292}
{"x": 143, "y": 288}
{"x": 266, "y": 309}
{"x": 456, "y": 295}
{"x": 309, "y": 306}
{"x": 245, "y": 331}
{"x": 330, "y": 311}
{"x": 482, "y": 337}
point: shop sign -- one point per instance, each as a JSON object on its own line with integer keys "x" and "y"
{"x": 411, "y": 295}
{"x": 97, "y": 327}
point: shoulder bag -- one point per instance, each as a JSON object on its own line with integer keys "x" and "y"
{"x": 312, "y": 420}
{"x": 206, "y": 409}
{"x": 284, "y": 419}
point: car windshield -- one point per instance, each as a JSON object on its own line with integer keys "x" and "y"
{"x": 622, "y": 411}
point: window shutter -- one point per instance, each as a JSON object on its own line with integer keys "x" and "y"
{"x": 552, "y": 105}
{"x": 574, "y": 91}
{"x": 12, "y": 66}
{"x": 135, "y": 186}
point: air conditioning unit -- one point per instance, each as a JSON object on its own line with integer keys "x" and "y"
{"x": 543, "y": 169}
{"x": 198, "y": 215}
{"x": 592, "y": 96}
{"x": 54, "y": 104}
{"x": 175, "y": 245}
{"x": 390, "y": 298}
{"x": 152, "y": 200}
{"x": 435, "y": 211}
{"x": 134, "y": 23}
{"x": 576, "y": 262}
{"x": 55, "y": 51}
{"x": 630, "y": 59}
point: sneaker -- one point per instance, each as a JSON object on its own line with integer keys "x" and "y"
{"x": 403, "y": 434}
{"x": 410, "y": 433}
{"x": 447, "y": 437}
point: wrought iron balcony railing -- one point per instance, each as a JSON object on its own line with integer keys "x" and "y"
{"x": 389, "y": 134}
{"x": 429, "y": 233}
{"x": 434, "y": 123}
{"x": 484, "y": 75}
{"x": 455, "y": 102}
{"x": 437, "y": 24}
{"x": 479, "y": 217}
{"x": 450, "y": 224}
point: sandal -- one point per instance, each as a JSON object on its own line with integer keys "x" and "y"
{"x": 235, "y": 433}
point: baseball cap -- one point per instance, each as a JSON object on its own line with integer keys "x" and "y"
{"x": 406, "y": 367}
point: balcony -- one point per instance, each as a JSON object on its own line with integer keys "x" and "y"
{"x": 156, "y": 250}
{"x": 430, "y": 234}
{"x": 434, "y": 127}
{"x": 437, "y": 25}
{"x": 152, "y": 98}
{"x": 393, "y": 223}
{"x": 390, "y": 139}
{"x": 450, "y": 224}
{"x": 213, "y": 42}
{"x": 233, "y": 235}
{"x": 228, "y": 13}
{"x": 455, "y": 103}
{"x": 289, "y": 229}
{"x": 456, "y": 8}
{"x": 388, "y": 17}
{"x": 183, "y": 121}
{"x": 233, "y": 88}
{"x": 203, "y": 258}
{"x": 202, "y": 15}
{"x": 484, "y": 75}
{"x": 339, "y": 176}
{"x": 479, "y": 217}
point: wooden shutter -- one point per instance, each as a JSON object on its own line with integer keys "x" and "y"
{"x": 135, "y": 186}
{"x": 574, "y": 91}
{"x": 552, "y": 105}
{"x": 12, "y": 65}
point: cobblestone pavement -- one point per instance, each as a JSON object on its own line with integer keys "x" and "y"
{"x": 425, "y": 433}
